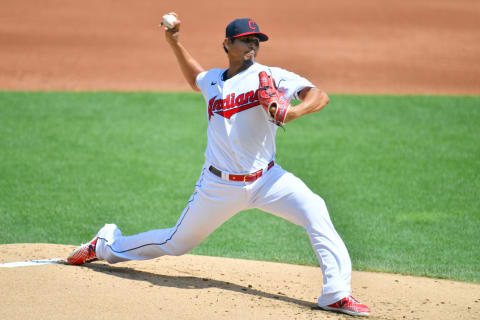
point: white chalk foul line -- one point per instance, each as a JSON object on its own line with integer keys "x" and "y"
{"x": 30, "y": 263}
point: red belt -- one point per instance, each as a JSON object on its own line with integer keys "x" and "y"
{"x": 250, "y": 177}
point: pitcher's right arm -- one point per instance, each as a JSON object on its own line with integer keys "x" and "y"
{"x": 189, "y": 66}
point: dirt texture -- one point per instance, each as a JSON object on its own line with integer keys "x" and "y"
{"x": 198, "y": 287}
{"x": 369, "y": 46}
{"x": 372, "y": 46}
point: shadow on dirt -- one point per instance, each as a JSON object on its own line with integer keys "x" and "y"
{"x": 191, "y": 282}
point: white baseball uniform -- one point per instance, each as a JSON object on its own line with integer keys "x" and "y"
{"x": 241, "y": 140}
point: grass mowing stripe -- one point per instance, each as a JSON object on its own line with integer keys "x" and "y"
{"x": 400, "y": 175}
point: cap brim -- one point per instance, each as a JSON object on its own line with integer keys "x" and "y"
{"x": 261, "y": 36}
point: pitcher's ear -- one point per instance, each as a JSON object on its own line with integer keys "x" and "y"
{"x": 227, "y": 43}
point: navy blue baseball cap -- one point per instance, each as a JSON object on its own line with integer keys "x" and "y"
{"x": 244, "y": 27}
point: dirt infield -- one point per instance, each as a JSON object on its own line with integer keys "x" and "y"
{"x": 372, "y": 46}
{"x": 412, "y": 47}
{"x": 196, "y": 287}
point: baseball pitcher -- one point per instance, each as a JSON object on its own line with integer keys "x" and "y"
{"x": 245, "y": 105}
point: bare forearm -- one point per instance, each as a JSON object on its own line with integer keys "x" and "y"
{"x": 313, "y": 100}
{"x": 189, "y": 66}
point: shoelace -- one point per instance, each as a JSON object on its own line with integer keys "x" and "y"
{"x": 345, "y": 300}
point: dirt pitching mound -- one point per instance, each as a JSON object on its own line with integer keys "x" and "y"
{"x": 198, "y": 287}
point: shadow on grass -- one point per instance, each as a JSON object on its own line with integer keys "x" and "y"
{"x": 189, "y": 282}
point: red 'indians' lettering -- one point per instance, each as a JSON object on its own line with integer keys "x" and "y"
{"x": 232, "y": 104}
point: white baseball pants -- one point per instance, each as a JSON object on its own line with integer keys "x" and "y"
{"x": 216, "y": 200}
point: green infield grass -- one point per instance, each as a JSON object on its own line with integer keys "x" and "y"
{"x": 400, "y": 175}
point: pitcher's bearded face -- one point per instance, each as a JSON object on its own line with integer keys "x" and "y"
{"x": 245, "y": 47}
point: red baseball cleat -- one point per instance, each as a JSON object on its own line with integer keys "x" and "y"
{"x": 349, "y": 305}
{"x": 83, "y": 254}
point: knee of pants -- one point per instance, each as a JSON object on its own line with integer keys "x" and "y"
{"x": 319, "y": 202}
{"x": 317, "y": 212}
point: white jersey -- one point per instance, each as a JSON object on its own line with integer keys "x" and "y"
{"x": 241, "y": 139}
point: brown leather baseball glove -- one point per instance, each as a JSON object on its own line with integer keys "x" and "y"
{"x": 272, "y": 100}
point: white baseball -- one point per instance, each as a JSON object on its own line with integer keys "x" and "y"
{"x": 169, "y": 21}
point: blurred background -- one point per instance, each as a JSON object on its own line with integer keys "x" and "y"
{"x": 369, "y": 46}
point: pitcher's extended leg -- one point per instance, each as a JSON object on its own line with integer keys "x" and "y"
{"x": 209, "y": 207}
{"x": 286, "y": 196}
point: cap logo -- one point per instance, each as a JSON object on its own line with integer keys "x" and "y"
{"x": 244, "y": 27}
